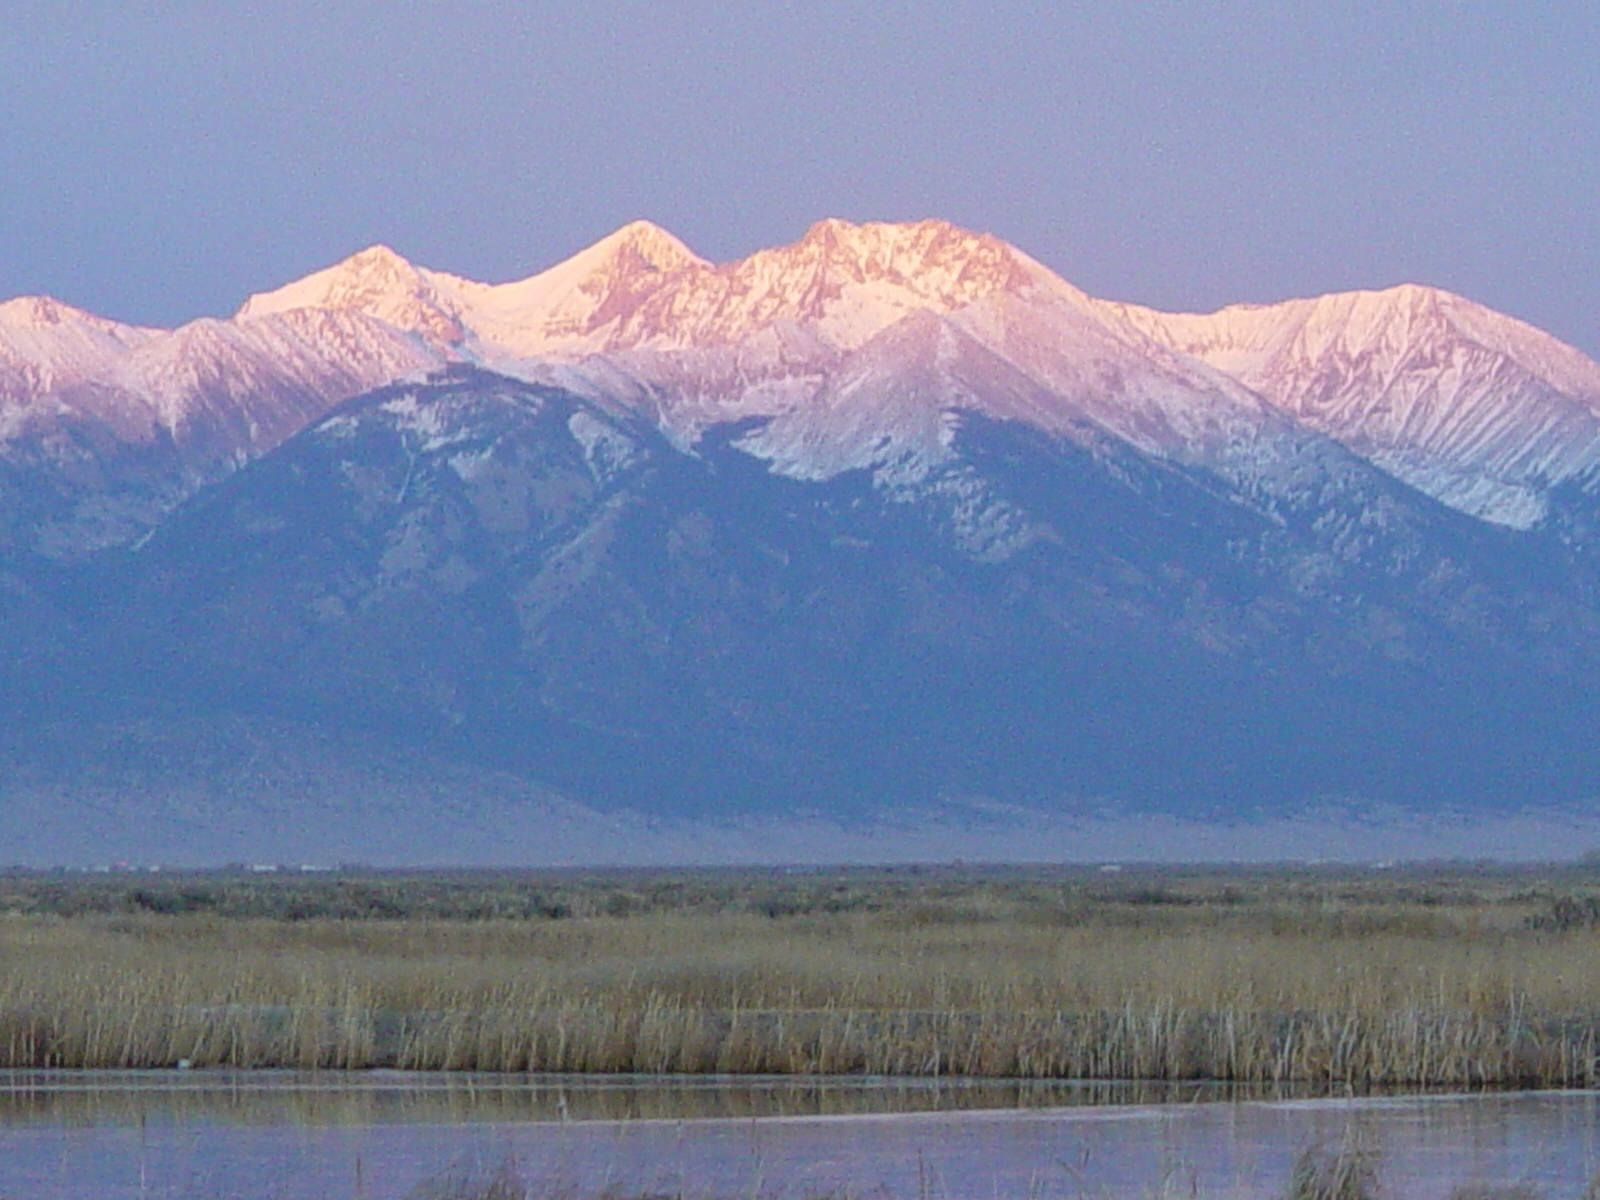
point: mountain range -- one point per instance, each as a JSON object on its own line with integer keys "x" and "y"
{"x": 886, "y": 531}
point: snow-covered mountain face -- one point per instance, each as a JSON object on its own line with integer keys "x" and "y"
{"x": 892, "y": 512}
{"x": 514, "y": 576}
{"x": 853, "y": 348}
{"x": 856, "y": 347}
{"x": 46, "y": 348}
{"x": 1479, "y": 410}
{"x": 641, "y": 288}
{"x": 105, "y": 427}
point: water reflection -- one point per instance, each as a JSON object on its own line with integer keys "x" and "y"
{"x": 82, "y": 1098}
{"x": 383, "y": 1136}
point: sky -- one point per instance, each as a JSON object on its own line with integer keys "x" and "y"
{"x": 159, "y": 162}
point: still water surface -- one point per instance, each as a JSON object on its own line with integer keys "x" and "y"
{"x": 388, "y": 1135}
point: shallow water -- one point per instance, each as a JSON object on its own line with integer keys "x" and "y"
{"x": 232, "y": 1136}
{"x": 377, "y": 1097}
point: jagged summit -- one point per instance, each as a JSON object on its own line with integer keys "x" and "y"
{"x": 378, "y": 259}
{"x": 1387, "y": 324}
{"x": 376, "y": 281}
{"x": 1474, "y": 407}
{"x": 368, "y": 274}
{"x": 551, "y": 311}
{"x": 46, "y": 345}
{"x": 43, "y": 314}
{"x": 36, "y": 312}
{"x": 944, "y": 263}
{"x": 888, "y": 511}
{"x": 843, "y": 282}
{"x": 913, "y": 250}
{"x": 646, "y": 242}
{"x": 574, "y": 306}
{"x": 642, "y": 288}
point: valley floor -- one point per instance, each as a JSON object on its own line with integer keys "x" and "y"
{"x": 1343, "y": 979}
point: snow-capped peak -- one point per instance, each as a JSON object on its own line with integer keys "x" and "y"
{"x": 1474, "y": 407}
{"x": 45, "y": 344}
{"x": 574, "y": 306}
{"x": 946, "y": 264}
{"x": 369, "y": 274}
{"x": 1478, "y": 409}
{"x": 377, "y": 282}
{"x": 1362, "y": 330}
{"x": 40, "y": 313}
{"x": 37, "y": 312}
{"x": 641, "y": 287}
{"x": 644, "y": 241}
{"x": 843, "y": 282}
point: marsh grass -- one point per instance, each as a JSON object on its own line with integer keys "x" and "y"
{"x": 1350, "y": 1169}
{"x": 1345, "y": 982}
{"x": 1347, "y": 1171}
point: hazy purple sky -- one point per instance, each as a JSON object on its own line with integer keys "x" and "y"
{"x": 158, "y": 162}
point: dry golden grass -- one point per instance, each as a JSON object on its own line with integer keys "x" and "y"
{"x": 1273, "y": 980}
{"x": 1350, "y": 1169}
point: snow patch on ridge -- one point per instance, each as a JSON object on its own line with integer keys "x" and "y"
{"x": 606, "y": 451}
{"x": 1477, "y": 409}
{"x": 852, "y": 346}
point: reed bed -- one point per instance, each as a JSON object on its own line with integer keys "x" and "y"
{"x": 1333, "y": 983}
{"x": 1351, "y": 1169}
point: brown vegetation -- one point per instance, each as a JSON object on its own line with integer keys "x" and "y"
{"x": 1348, "y": 1170}
{"x": 1346, "y": 980}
